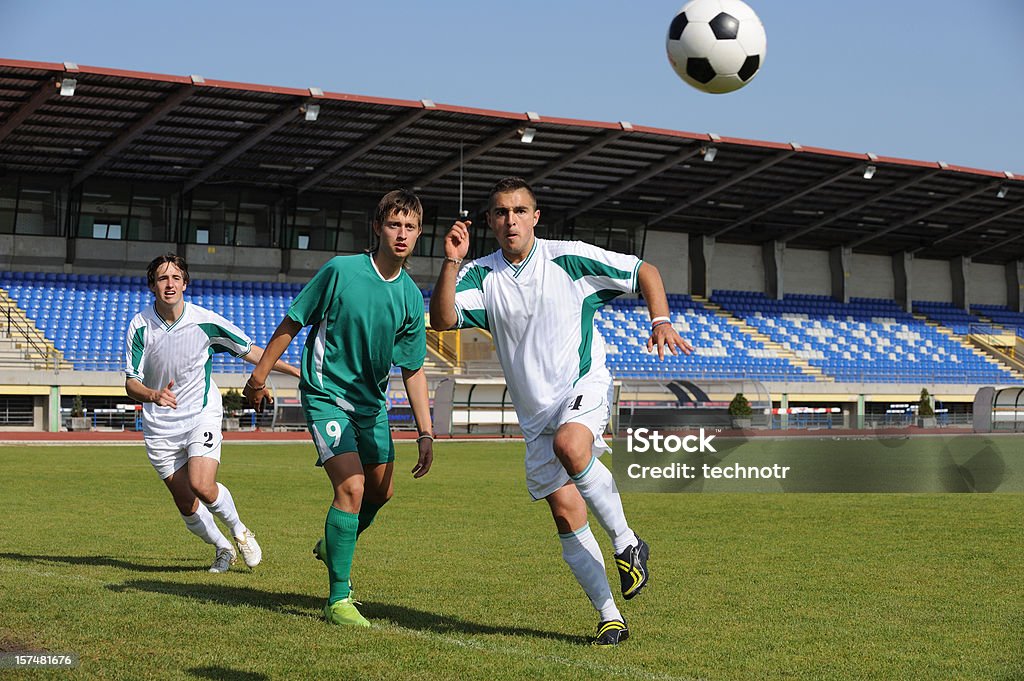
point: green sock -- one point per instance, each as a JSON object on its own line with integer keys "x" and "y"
{"x": 339, "y": 547}
{"x": 367, "y": 512}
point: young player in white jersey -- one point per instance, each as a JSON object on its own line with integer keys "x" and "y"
{"x": 366, "y": 315}
{"x": 169, "y": 349}
{"x": 538, "y": 299}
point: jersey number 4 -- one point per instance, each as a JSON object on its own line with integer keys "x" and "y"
{"x": 576, "y": 403}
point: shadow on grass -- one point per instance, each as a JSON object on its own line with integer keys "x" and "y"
{"x": 101, "y": 561}
{"x": 306, "y": 605}
{"x": 222, "y": 673}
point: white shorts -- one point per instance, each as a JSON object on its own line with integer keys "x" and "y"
{"x": 587, "y": 405}
{"x": 168, "y": 454}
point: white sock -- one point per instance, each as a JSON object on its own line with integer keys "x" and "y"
{"x": 202, "y": 525}
{"x": 224, "y": 508}
{"x": 581, "y": 551}
{"x": 597, "y": 487}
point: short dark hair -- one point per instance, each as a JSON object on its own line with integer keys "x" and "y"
{"x": 399, "y": 201}
{"x": 510, "y": 184}
{"x": 172, "y": 258}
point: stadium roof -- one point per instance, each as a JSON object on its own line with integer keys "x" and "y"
{"x": 189, "y": 131}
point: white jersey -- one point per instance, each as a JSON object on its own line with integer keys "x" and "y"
{"x": 157, "y": 353}
{"x": 541, "y": 316}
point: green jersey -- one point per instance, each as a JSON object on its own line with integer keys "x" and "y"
{"x": 361, "y": 325}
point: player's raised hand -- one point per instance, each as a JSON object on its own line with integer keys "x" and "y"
{"x": 166, "y": 397}
{"x": 663, "y": 336}
{"x": 456, "y": 242}
{"x": 426, "y": 457}
{"x": 257, "y": 395}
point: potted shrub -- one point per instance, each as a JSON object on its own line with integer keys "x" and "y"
{"x": 234, "y": 403}
{"x": 79, "y": 421}
{"x": 925, "y": 410}
{"x": 740, "y": 411}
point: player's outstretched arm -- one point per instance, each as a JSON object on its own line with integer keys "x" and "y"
{"x": 164, "y": 397}
{"x": 416, "y": 389}
{"x": 255, "y": 390}
{"x": 442, "y": 300}
{"x": 256, "y": 353}
{"x": 663, "y": 335}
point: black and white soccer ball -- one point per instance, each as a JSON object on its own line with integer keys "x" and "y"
{"x": 716, "y": 46}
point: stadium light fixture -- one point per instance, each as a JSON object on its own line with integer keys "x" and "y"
{"x": 528, "y": 135}
{"x": 709, "y": 154}
{"x": 67, "y": 86}
{"x": 1003, "y": 191}
{"x": 312, "y": 111}
{"x": 869, "y": 172}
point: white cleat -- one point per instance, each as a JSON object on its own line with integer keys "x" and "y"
{"x": 251, "y": 552}
{"x": 225, "y": 558}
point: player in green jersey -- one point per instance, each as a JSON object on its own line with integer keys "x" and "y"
{"x": 365, "y": 314}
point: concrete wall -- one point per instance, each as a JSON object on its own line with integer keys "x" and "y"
{"x": 734, "y": 266}
{"x": 304, "y": 264}
{"x": 737, "y": 267}
{"x": 33, "y": 253}
{"x": 95, "y": 256}
{"x": 806, "y": 271}
{"x": 670, "y": 253}
{"x": 872, "y": 277}
{"x": 225, "y": 262}
{"x": 988, "y": 284}
{"x": 932, "y": 281}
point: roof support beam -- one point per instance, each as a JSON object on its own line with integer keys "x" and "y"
{"x": 287, "y": 115}
{"x": 579, "y": 153}
{"x": 859, "y": 205}
{"x": 920, "y": 215}
{"x": 992, "y": 218}
{"x": 155, "y": 114}
{"x": 721, "y": 186}
{"x": 28, "y": 108}
{"x": 466, "y": 156}
{"x": 640, "y": 177}
{"x": 820, "y": 184}
{"x": 342, "y": 160}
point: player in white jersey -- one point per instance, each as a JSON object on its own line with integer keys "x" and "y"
{"x": 169, "y": 348}
{"x": 538, "y": 299}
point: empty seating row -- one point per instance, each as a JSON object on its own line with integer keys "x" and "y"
{"x": 869, "y": 340}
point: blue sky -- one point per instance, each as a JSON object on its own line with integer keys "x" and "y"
{"x": 922, "y": 79}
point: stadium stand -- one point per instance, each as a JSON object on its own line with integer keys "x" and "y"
{"x": 955, "y": 318}
{"x": 721, "y": 350}
{"x": 1000, "y": 314}
{"x": 86, "y": 316}
{"x": 866, "y": 339}
{"x": 802, "y": 338}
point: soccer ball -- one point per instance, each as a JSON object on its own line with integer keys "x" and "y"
{"x": 716, "y": 46}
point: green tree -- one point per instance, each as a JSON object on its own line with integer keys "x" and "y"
{"x": 233, "y": 400}
{"x": 740, "y": 407}
{"x": 924, "y": 406}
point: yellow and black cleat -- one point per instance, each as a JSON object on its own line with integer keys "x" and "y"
{"x": 611, "y": 632}
{"x": 632, "y": 565}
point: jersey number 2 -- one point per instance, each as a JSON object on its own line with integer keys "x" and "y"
{"x": 209, "y": 439}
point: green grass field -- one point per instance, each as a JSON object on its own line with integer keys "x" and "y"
{"x": 463, "y": 578}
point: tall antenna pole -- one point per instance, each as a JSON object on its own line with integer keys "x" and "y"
{"x": 462, "y": 213}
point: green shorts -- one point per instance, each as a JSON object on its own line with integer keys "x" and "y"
{"x": 372, "y": 441}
